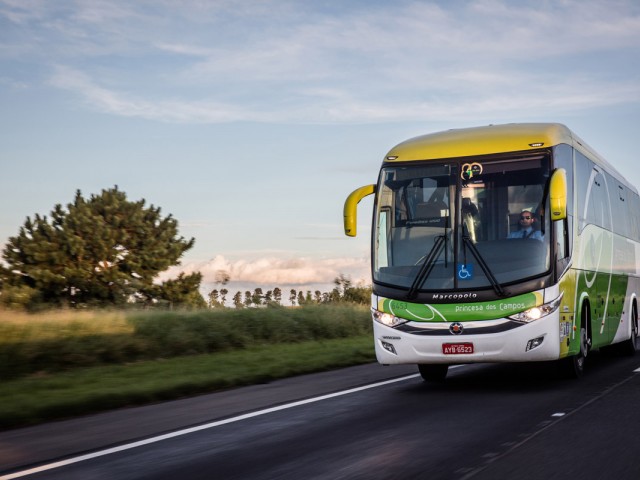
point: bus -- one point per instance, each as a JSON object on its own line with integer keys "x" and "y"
{"x": 501, "y": 243}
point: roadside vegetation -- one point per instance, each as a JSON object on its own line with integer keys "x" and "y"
{"x": 86, "y": 325}
{"x": 60, "y": 364}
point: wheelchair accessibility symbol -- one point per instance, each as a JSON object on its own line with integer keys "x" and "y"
{"x": 465, "y": 271}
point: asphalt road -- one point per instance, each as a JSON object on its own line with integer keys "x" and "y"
{"x": 367, "y": 422}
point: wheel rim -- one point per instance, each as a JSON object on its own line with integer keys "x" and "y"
{"x": 584, "y": 344}
{"x": 584, "y": 349}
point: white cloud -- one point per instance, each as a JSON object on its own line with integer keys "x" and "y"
{"x": 203, "y": 62}
{"x": 188, "y": 50}
{"x": 538, "y": 97}
{"x": 277, "y": 272}
{"x": 111, "y": 101}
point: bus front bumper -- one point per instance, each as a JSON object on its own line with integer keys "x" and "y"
{"x": 472, "y": 342}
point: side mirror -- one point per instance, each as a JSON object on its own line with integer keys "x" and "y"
{"x": 351, "y": 208}
{"x": 558, "y": 195}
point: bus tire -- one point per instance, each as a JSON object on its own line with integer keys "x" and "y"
{"x": 433, "y": 373}
{"x": 574, "y": 365}
{"x": 630, "y": 346}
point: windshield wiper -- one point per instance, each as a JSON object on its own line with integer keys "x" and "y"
{"x": 427, "y": 266}
{"x": 485, "y": 268}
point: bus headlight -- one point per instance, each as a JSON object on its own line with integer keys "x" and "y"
{"x": 537, "y": 313}
{"x": 387, "y": 319}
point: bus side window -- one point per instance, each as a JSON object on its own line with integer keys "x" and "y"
{"x": 634, "y": 206}
{"x": 562, "y": 244}
{"x": 620, "y": 210}
{"x": 560, "y": 237}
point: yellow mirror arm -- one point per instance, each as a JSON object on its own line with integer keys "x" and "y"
{"x": 351, "y": 208}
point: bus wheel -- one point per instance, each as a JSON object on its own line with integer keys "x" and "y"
{"x": 433, "y": 373}
{"x": 574, "y": 365}
{"x": 630, "y": 346}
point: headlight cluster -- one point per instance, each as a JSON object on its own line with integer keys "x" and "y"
{"x": 387, "y": 319}
{"x": 536, "y": 313}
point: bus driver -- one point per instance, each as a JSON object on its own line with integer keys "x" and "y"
{"x": 527, "y": 221}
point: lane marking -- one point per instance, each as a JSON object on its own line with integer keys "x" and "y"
{"x": 187, "y": 431}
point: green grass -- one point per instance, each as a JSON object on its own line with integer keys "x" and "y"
{"x": 65, "y": 363}
{"x": 61, "y": 341}
{"x": 47, "y": 396}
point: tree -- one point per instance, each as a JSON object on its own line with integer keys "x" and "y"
{"x": 218, "y": 299}
{"x": 342, "y": 285}
{"x": 214, "y": 299}
{"x": 15, "y": 296}
{"x": 100, "y": 251}
{"x": 182, "y": 292}
{"x": 277, "y": 295}
{"x": 257, "y": 296}
{"x": 237, "y": 300}
{"x": 223, "y": 296}
{"x": 292, "y": 297}
{"x": 359, "y": 294}
{"x": 344, "y": 291}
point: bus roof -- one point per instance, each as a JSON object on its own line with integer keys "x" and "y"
{"x": 513, "y": 137}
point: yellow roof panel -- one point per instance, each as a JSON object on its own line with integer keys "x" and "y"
{"x": 491, "y": 139}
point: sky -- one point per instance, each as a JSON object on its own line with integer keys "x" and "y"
{"x": 251, "y": 121}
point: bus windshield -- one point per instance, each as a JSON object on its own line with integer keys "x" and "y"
{"x": 462, "y": 224}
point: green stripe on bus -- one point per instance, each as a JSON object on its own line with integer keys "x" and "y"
{"x": 460, "y": 312}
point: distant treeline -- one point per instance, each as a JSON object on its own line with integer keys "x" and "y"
{"x": 343, "y": 292}
{"x": 105, "y": 251}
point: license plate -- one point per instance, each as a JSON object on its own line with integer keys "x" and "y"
{"x": 457, "y": 348}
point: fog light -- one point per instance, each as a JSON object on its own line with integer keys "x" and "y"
{"x": 534, "y": 343}
{"x": 388, "y": 347}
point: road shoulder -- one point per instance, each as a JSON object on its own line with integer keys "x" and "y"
{"x": 41, "y": 443}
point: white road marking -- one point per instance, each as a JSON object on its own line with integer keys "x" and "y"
{"x": 186, "y": 431}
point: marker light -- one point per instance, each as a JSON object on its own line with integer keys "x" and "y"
{"x": 537, "y": 144}
{"x": 536, "y": 313}
{"x": 387, "y": 319}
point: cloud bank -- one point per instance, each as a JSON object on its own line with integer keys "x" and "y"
{"x": 270, "y": 272}
{"x": 352, "y": 62}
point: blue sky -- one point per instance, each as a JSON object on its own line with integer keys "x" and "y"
{"x": 251, "y": 121}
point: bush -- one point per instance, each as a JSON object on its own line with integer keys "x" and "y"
{"x": 43, "y": 344}
{"x": 175, "y": 333}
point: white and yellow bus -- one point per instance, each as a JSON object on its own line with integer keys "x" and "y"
{"x": 457, "y": 279}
